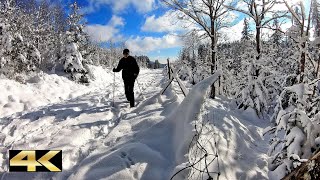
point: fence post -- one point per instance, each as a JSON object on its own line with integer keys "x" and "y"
{"x": 169, "y": 68}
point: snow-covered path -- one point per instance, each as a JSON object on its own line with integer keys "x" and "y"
{"x": 151, "y": 141}
{"x": 78, "y": 126}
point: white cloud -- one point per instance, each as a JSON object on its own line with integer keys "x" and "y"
{"x": 116, "y": 21}
{"x": 169, "y": 22}
{"x": 103, "y": 33}
{"x": 119, "y": 6}
{"x": 144, "y": 5}
{"x": 147, "y": 44}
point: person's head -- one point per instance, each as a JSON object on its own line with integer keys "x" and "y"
{"x": 126, "y": 53}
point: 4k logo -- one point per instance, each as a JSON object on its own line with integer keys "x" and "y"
{"x": 35, "y": 161}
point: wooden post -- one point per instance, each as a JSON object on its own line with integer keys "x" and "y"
{"x": 174, "y": 76}
{"x": 169, "y": 68}
{"x": 164, "y": 89}
{"x": 180, "y": 85}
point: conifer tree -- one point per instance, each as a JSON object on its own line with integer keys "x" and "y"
{"x": 75, "y": 39}
{"x": 246, "y": 32}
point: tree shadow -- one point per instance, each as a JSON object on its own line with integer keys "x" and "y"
{"x": 69, "y": 109}
{"x": 235, "y": 132}
{"x": 129, "y": 154}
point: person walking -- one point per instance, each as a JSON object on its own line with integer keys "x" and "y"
{"x": 130, "y": 72}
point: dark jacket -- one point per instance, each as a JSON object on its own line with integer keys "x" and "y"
{"x": 129, "y": 67}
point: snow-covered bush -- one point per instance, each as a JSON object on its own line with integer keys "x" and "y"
{"x": 254, "y": 93}
{"x": 295, "y": 131}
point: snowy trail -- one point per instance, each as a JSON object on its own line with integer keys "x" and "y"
{"x": 101, "y": 141}
{"x": 75, "y": 126}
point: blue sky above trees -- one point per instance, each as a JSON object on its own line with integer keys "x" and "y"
{"x": 125, "y": 21}
{"x": 146, "y": 27}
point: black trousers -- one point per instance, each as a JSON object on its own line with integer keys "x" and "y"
{"x": 128, "y": 89}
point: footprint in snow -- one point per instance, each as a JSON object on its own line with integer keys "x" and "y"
{"x": 12, "y": 130}
{"x": 136, "y": 175}
{"x": 123, "y": 154}
{"x": 127, "y": 160}
{"x": 118, "y": 139}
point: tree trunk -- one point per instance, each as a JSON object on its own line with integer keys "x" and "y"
{"x": 258, "y": 41}
{"x": 302, "y": 62}
{"x": 213, "y": 56}
{"x": 213, "y": 47}
{"x": 316, "y": 73}
{"x": 213, "y": 64}
{"x": 308, "y": 170}
{"x": 219, "y": 85}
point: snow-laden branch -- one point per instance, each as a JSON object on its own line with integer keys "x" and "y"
{"x": 294, "y": 14}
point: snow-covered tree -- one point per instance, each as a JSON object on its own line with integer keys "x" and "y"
{"x": 194, "y": 59}
{"x": 156, "y": 64}
{"x": 277, "y": 36}
{"x": 210, "y": 16}
{"x": 260, "y": 12}
{"x": 143, "y": 61}
{"x": 316, "y": 43}
{"x": 296, "y": 116}
{"x": 17, "y": 53}
{"x": 75, "y": 39}
{"x": 295, "y": 132}
{"x": 316, "y": 16}
{"x": 246, "y": 32}
{"x": 5, "y": 48}
{"x": 253, "y": 92}
{"x": 299, "y": 33}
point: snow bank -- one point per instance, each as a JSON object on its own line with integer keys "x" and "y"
{"x": 187, "y": 112}
{"x": 237, "y": 139}
{"x": 231, "y": 135}
{"x": 43, "y": 89}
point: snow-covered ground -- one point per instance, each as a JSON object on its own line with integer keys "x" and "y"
{"x": 151, "y": 141}
{"x": 43, "y": 89}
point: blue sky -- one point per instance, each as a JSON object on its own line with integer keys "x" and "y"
{"x": 145, "y": 26}
{"x": 126, "y": 21}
